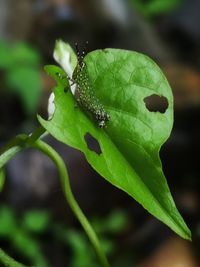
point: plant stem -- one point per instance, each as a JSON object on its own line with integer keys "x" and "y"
{"x": 18, "y": 143}
{"x": 64, "y": 178}
{"x": 24, "y": 141}
{"x": 35, "y": 135}
{"x": 7, "y": 261}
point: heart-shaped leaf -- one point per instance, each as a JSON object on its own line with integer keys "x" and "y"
{"x": 130, "y": 143}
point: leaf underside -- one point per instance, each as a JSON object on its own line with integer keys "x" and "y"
{"x": 131, "y": 142}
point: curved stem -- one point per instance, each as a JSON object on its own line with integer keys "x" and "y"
{"x": 6, "y": 153}
{"x": 24, "y": 141}
{"x": 18, "y": 143}
{"x": 7, "y": 261}
{"x": 45, "y": 148}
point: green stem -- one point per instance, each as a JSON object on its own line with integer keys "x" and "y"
{"x": 38, "y": 133}
{"x": 18, "y": 143}
{"x": 45, "y": 148}
{"x": 7, "y": 261}
{"x": 6, "y": 153}
{"x": 24, "y": 141}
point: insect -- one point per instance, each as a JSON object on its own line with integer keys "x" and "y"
{"x": 85, "y": 94}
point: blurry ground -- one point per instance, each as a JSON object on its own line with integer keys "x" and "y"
{"x": 132, "y": 237}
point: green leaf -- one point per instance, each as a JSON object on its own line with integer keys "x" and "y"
{"x": 36, "y": 220}
{"x": 28, "y": 247}
{"x": 8, "y": 223}
{"x": 23, "y": 54}
{"x": 131, "y": 142}
{"x": 21, "y": 65}
{"x": 5, "y": 59}
{"x": 82, "y": 254}
{"x": 155, "y": 7}
{"x": 20, "y": 54}
{"x": 26, "y": 82}
{"x": 113, "y": 224}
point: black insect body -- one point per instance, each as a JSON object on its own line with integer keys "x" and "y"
{"x": 85, "y": 94}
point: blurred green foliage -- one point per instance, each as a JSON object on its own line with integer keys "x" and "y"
{"x": 36, "y": 221}
{"x": 107, "y": 228}
{"x": 20, "y": 64}
{"x": 113, "y": 224}
{"x": 2, "y": 178}
{"x": 152, "y": 8}
{"x": 20, "y": 234}
{"x": 24, "y": 235}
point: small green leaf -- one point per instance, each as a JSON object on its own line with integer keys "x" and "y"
{"x": 28, "y": 247}
{"x": 82, "y": 254}
{"x": 23, "y": 54}
{"x": 5, "y": 59}
{"x": 19, "y": 54}
{"x": 26, "y": 82}
{"x": 36, "y": 221}
{"x": 131, "y": 142}
{"x": 8, "y": 224}
{"x": 21, "y": 65}
{"x": 113, "y": 224}
{"x": 155, "y": 7}
{"x": 116, "y": 222}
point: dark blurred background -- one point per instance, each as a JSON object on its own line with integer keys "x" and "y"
{"x": 36, "y": 225}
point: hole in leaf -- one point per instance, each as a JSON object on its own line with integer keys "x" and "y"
{"x": 92, "y": 143}
{"x": 156, "y": 103}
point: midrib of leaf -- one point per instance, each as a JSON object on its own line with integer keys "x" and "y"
{"x": 165, "y": 211}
